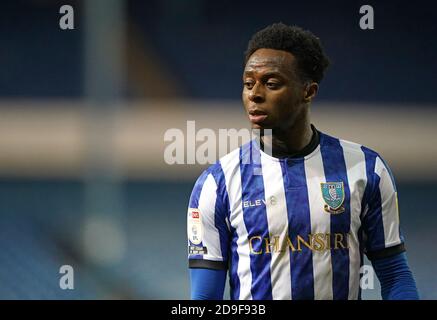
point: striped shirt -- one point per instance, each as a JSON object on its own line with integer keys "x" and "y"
{"x": 294, "y": 228}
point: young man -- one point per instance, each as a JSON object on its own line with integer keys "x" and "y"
{"x": 294, "y": 224}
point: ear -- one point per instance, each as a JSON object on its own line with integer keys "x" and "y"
{"x": 310, "y": 91}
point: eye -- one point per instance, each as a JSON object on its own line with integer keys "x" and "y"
{"x": 248, "y": 84}
{"x": 273, "y": 85}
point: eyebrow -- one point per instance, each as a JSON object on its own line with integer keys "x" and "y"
{"x": 267, "y": 74}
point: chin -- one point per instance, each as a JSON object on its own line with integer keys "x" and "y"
{"x": 262, "y": 126}
{"x": 259, "y": 126}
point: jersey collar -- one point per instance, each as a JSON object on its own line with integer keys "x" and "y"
{"x": 306, "y": 151}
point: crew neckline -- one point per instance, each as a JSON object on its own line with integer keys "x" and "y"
{"x": 307, "y": 152}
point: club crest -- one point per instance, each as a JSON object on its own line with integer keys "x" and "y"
{"x": 333, "y": 194}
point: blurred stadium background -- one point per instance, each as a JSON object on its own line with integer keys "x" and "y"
{"x": 83, "y": 113}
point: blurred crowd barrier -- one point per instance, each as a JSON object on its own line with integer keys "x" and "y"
{"x": 42, "y": 139}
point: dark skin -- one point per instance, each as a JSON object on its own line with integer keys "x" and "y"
{"x": 276, "y": 98}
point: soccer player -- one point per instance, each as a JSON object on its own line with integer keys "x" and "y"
{"x": 293, "y": 224}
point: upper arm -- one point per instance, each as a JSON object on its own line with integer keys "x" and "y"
{"x": 397, "y": 281}
{"x": 207, "y": 284}
{"x": 380, "y": 220}
{"x": 207, "y": 229}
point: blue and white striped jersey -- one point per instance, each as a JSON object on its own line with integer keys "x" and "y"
{"x": 294, "y": 228}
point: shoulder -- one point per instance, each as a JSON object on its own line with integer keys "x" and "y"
{"x": 348, "y": 147}
{"x": 213, "y": 181}
{"x": 221, "y": 167}
{"x": 374, "y": 164}
{"x": 228, "y": 162}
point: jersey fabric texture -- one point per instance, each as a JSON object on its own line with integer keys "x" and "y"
{"x": 294, "y": 228}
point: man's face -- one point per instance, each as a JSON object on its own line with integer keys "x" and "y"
{"x": 272, "y": 94}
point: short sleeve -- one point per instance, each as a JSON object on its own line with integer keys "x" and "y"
{"x": 380, "y": 220}
{"x": 207, "y": 228}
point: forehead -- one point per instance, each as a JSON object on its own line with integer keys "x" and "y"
{"x": 270, "y": 60}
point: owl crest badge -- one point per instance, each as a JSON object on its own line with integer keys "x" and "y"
{"x": 333, "y": 194}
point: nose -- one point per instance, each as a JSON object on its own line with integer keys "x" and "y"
{"x": 256, "y": 94}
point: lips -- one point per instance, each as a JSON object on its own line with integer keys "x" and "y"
{"x": 257, "y": 116}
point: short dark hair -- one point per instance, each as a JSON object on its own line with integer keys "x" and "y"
{"x": 304, "y": 45}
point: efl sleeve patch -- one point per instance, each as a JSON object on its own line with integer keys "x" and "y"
{"x": 194, "y": 225}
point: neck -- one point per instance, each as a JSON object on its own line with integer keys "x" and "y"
{"x": 290, "y": 141}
